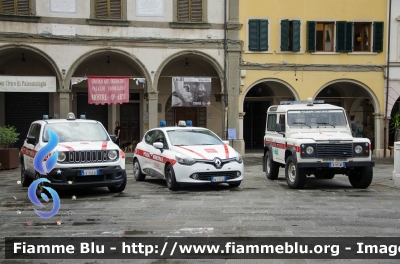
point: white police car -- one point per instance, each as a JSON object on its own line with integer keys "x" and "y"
{"x": 87, "y": 156}
{"x": 186, "y": 155}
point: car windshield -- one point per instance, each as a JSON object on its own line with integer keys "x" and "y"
{"x": 76, "y": 131}
{"x": 316, "y": 118}
{"x": 193, "y": 137}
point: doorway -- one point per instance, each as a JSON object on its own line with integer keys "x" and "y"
{"x": 130, "y": 122}
{"x": 186, "y": 113}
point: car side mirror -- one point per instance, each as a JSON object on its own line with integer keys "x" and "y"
{"x": 159, "y": 145}
{"x": 225, "y": 142}
{"x": 278, "y": 128}
{"x": 113, "y": 138}
{"x": 354, "y": 126}
{"x": 31, "y": 140}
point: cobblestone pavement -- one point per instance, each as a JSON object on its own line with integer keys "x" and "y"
{"x": 259, "y": 207}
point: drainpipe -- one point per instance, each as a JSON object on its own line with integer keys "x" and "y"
{"x": 387, "y": 82}
{"x": 225, "y": 81}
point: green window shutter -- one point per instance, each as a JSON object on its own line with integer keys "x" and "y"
{"x": 378, "y": 37}
{"x": 23, "y": 7}
{"x": 296, "y": 35}
{"x": 284, "y": 35}
{"x": 115, "y": 9}
{"x": 7, "y": 7}
{"x": 196, "y": 11}
{"x": 101, "y": 9}
{"x": 183, "y": 10}
{"x": 349, "y": 37}
{"x": 340, "y": 36}
{"x": 254, "y": 29}
{"x": 311, "y": 32}
{"x": 263, "y": 35}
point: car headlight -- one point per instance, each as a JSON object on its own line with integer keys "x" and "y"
{"x": 310, "y": 150}
{"x": 112, "y": 154}
{"x": 61, "y": 156}
{"x": 358, "y": 149}
{"x": 184, "y": 159}
{"x": 239, "y": 157}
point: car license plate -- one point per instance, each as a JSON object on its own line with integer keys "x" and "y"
{"x": 90, "y": 172}
{"x": 218, "y": 179}
{"x": 337, "y": 164}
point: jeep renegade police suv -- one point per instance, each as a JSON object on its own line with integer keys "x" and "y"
{"x": 87, "y": 156}
{"x": 307, "y": 138}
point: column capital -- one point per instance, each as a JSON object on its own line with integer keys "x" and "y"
{"x": 241, "y": 115}
{"x": 378, "y": 115}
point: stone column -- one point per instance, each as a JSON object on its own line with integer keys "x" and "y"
{"x": 153, "y": 114}
{"x": 378, "y": 136}
{"x": 65, "y": 103}
{"x": 239, "y": 144}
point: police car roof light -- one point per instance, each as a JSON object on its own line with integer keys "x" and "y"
{"x": 82, "y": 116}
{"x": 182, "y": 123}
{"x": 163, "y": 123}
{"x": 70, "y": 116}
{"x": 189, "y": 123}
{"x": 45, "y": 117}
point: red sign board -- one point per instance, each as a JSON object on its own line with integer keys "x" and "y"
{"x": 108, "y": 89}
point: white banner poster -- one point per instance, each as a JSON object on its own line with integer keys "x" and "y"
{"x": 191, "y": 91}
{"x": 150, "y": 8}
{"x": 27, "y": 83}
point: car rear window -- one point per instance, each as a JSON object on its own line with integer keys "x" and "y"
{"x": 76, "y": 131}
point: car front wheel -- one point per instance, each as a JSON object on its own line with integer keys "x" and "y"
{"x": 137, "y": 171}
{"x": 170, "y": 177}
{"x": 295, "y": 177}
{"x": 361, "y": 177}
{"x": 25, "y": 181}
{"x": 121, "y": 187}
{"x": 235, "y": 184}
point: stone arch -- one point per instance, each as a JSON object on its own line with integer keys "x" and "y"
{"x": 291, "y": 89}
{"x": 42, "y": 54}
{"x": 362, "y": 85}
{"x": 217, "y": 67}
{"x": 85, "y": 56}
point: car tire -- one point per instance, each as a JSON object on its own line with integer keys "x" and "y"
{"x": 271, "y": 167}
{"x": 324, "y": 175}
{"x": 361, "y": 177}
{"x": 170, "y": 178}
{"x": 295, "y": 177}
{"x": 137, "y": 171}
{"x": 25, "y": 180}
{"x": 121, "y": 187}
{"x": 234, "y": 184}
{"x": 39, "y": 188}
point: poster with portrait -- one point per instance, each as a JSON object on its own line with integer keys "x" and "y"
{"x": 191, "y": 91}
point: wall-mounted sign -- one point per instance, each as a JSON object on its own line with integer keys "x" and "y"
{"x": 150, "y": 7}
{"x": 191, "y": 91}
{"x": 27, "y": 83}
{"x": 63, "y": 6}
{"x": 108, "y": 89}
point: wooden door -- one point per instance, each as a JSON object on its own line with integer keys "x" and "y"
{"x": 130, "y": 123}
{"x": 186, "y": 113}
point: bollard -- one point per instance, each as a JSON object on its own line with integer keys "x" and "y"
{"x": 396, "y": 171}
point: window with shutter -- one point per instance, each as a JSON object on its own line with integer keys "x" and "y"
{"x": 258, "y": 35}
{"x": 378, "y": 37}
{"x": 284, "y": 35}
{"x": 296, "y": 35}
{"x": 311, "y": 36}
{"x": 109, "y": 9}
{"x": 20, "y": 7}
{"x": 190, "y": 10}
{"x": 340, "y": 36}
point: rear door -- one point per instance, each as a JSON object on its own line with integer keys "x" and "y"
{"x": 31, "y": 149}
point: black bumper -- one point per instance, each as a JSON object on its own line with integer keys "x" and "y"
{"x": 350, "y": 164}
{"x": 67, "y": 178}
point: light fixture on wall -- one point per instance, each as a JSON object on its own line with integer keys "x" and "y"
{"x": 108, "y": 61}
{"x": 186, "y": 64}
{"x": 23, "y": 58}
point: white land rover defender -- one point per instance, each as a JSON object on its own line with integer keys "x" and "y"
{"x": 307, "y": 138}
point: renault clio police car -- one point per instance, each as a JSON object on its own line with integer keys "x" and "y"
{"x": 186, "y": 155}
{"x": 87, "y": 156}
{"x": 314, "y": 139}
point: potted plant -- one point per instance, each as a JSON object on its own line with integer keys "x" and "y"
{"x": 9, "y": 156}
{"x": 395, "y": 126}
